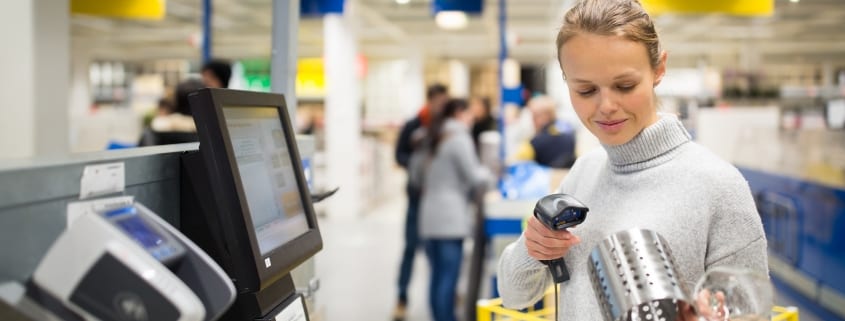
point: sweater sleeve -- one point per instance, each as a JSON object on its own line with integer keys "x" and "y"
{"x": 522, "y": 280}
{"x": 736, "y": 237}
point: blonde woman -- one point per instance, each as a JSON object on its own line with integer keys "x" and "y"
{"x": 649, "y": 174}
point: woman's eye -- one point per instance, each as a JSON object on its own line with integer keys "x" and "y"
{"x": 586, "y": 92}
{"x": 626, "y": 87}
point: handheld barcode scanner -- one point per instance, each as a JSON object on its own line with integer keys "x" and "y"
{"x": 559, "y": 212}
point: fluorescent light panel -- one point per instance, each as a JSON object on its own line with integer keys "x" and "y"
{"x": 451, "y": 20}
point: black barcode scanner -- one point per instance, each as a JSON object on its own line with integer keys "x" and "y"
{"x": 559, "y": 212}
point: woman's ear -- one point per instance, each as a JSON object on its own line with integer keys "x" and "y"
{"x": 660, "y": 71}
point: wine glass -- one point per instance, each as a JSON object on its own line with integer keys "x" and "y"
{"x": 733, "y": 294}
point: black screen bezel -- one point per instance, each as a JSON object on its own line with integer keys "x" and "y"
{"x": 228, "y": 194}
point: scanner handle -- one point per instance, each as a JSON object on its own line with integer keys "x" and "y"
{"x": 558, "y": 268}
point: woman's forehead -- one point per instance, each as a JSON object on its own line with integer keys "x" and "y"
{"x": 588, "y": 56}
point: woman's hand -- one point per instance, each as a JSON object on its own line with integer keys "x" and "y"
{"x": 710, "y": 308}
{"x": 545, "y": 244}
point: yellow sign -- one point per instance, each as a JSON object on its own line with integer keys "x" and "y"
{"x": 732, "y": 7}
{"x": 310, "y": 79}
{"x": 132, "y": 9}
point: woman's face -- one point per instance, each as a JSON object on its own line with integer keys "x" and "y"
{"x": 611, "y": 84}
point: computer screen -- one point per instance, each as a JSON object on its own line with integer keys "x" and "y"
{"x": 245, "y": 195}
{"x": 267, "y": 174}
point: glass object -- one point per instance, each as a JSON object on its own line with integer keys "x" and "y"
{"x": 733, "y": 294}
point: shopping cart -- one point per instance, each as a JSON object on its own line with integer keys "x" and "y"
{"x": 492, "y": 310}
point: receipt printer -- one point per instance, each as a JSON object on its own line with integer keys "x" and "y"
{"x": 128, "y": 264}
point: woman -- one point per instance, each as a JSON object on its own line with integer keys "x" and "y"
{"x": 649, "y": 174}
{"x": 447, "y": 169}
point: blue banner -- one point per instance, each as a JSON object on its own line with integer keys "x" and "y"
{"x": 468, "y": 6}
{"x": 318, "y": 8}
{"x": 513, "y": 95}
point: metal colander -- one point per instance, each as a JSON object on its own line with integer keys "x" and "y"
{"x": 634, "y": 277}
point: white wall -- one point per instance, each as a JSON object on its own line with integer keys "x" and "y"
{"x": 80, "y": 93}
{"x": 741, "y": 134}
{"x": 383, "y": 94}
{"x": 34, "y": 91}
{"x": 17, "y": 136}
{"x": 52, "y": 76}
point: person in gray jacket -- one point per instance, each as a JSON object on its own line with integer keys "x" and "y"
{"x": 447, "y": 169}
{"x": 649, "y": 174}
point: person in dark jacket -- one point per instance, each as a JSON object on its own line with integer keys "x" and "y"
{"x": 436, "y": 97}
{"x": 553, "y": 145}
{"x": 484, "y": 121}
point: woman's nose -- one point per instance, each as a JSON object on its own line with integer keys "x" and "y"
{"x": 607, "y": 104}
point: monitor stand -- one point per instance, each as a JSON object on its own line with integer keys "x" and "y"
{"x": 265, "y": 304}
{"x": 291, "y": 309}
{"x": 199, "y": 223}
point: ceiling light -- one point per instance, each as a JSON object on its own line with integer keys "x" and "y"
{"x": 403, "y": 1}
{"x": 451, "y": 20}
{"x": 794, "y": 1}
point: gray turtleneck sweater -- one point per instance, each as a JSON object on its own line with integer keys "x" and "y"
{"x": 661, "y": 181}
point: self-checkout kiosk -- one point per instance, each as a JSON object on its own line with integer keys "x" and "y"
{"x": 245, "y": 200}
{"x": 233, "y": 218}
{"x": 128, "y": 264}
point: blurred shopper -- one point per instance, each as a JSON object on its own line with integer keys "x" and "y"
{"x": 518, "y": 128}
{"x": 165, "y": 107}
{"x": 216, "y": 73}
{"x": 553, "y": 143}
{"x": 175, "y": 127}
{"x": 648, "y": 173}
{"x": 436, "y": 96}
{"x": 446, "y": 169}
{"x": 483, "y": 118}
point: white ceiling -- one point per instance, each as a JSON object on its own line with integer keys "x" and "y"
{"x": 807, "y": 32}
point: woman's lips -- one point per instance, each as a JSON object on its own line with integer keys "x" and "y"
{"x": 611, "y": 125}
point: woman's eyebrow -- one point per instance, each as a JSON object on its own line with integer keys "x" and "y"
{"x": 620, "y": 76}
{"x": 625, "y": 75}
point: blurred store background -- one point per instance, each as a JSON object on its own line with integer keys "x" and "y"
{"x": 759, "y": 82}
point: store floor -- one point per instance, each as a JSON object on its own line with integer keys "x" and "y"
{"x": 358, "y": 266}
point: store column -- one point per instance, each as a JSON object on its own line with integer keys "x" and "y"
{"x": 458, "y": 79}
{"x": 283, "y": 68}
{"x": 342, "y": 115}
{"x": 79, "y": 90}
{"x": 34, "y": 82}
{"x": 412, "y": 87}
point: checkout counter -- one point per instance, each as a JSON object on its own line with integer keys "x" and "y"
{"x": 186, "y": 243}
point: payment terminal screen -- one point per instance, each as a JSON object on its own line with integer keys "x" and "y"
{"x": 267, "y": 175}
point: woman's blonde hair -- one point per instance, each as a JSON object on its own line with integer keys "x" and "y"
{"x": 624, "y": 18}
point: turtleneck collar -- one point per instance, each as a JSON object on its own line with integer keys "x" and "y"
{"x": 653, "y": 146}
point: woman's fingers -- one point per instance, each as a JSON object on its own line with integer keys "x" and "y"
{"x": 545, "y": 244}
{"x": 542, "y": 230}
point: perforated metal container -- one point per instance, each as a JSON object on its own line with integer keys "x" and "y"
{"x": 634, "y": 277}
